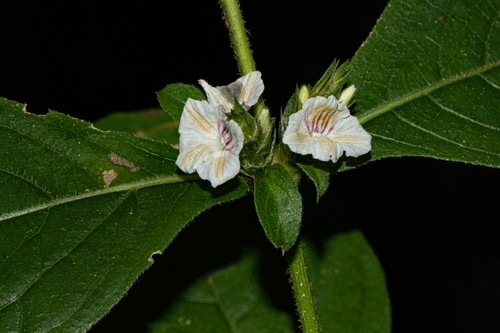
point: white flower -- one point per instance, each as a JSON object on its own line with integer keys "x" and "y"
{"x": 247, "y": 90}
{"x": 208, "y": 143}
{"x": 325, "y": 129}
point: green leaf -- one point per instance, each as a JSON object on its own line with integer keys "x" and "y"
{"x": 428, "y": 80}
{"x": 348, "y": 285}
{"x": 173, "y": 97}
{"x": 227, "y": 300}
{"x": 82, "y": 212}
{"x": 318, "y": 174}
{"x": 293, "y": 105}
{"x": 153, "y": 124}
{"x": 279, "y": 206}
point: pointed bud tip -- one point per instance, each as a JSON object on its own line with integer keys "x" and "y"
{"x": 264, "y": 120}
{"x": 304, "y": 94}
{"x": 347, "y": 95}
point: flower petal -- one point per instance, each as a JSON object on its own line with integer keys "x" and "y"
{"x": 252, "y": 88}
{"x": 216, "y": 97}
{"x": 325, "y": 129}
{"x": 208, "y": 143}
{"x": 247, "y": 90}
{"x": 351, "y": 137}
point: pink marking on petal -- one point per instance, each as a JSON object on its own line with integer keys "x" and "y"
{"x": 226, "y": 135}
{"x": 321, "y": 119}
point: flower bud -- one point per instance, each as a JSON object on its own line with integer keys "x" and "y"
{"x": 264, "y": 121}
{"x": 304, "y": 94}
{"x": 333, "y": 80}
{"x": 347, "y": 94}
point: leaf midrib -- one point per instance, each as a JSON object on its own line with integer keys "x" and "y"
{"x": 371, "y": 114}
{"x": 220, "y": 305}
{"x": 135, "y": 185}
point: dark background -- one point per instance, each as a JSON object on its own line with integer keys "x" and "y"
{"x": 433, "y": 224}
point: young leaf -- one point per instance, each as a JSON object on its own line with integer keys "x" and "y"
{"x": 428, "y": 81}
{"x": 319, "y": 176}
{"x": 81, "y": 214}
{"x": 227, "y": 300}
{"x": 173, "y": 97}
{"x": 279, "y": 206}
{"x": 293, "y": 105}
{"x": 153, "y": 124}
{"x": 348, "y": 285}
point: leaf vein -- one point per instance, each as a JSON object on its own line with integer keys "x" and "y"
{"x": 136, "y": 185}
{"x": 32, "y": 182}
{"x": 383, "y": 108}
{"x": 20, "y": 322}
{"x": 487, "y": 42}
{"x": 177, "y": 199}
{"x": 439, "y": 136}
{"x": 59, "y": 153}
{"x": 432, "y": 40}
{"x": 27, "y": 239}
{"x": 86, "y": 138}
{"x": 124, "y": 197}
{"x": 445, "y": 32}
{"x": 401, "y": 142}
{"x": 86, "y": 296}
{"x": 221, "y": 307}
{"x": 461, "y": 115}
{"x": 197, "y": 300}
{"x": 489, "y": 82}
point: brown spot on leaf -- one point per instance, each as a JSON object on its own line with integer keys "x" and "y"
{"x": 441, "y": 16}
{"x": 120, "y": 161}
{"x": 108, "y": 177}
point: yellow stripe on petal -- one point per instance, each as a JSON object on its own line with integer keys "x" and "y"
{"x": 247, "y": 89}
{"x": 302, "y": 138}
{"x": 198, "y": 119}
{"x": 219, "y": 166}
{"x": 349, "y": 138}
{"x": 192, "y": 154}
{"x": 328, "y": 144}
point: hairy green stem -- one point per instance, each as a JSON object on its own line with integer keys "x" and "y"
{"x": 239, "y": 42}
{"x": 302, "y": 290}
